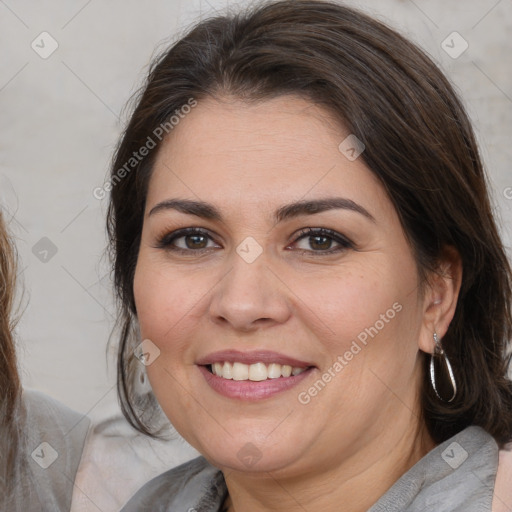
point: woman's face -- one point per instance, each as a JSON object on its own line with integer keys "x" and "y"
{"x": 257, "y": 294}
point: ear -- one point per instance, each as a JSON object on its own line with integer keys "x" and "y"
{"x": 440, "y": 298}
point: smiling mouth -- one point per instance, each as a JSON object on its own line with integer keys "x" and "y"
{"x": 253, "y": 372}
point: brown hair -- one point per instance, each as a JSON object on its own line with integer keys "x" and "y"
{"x": 10, "y": 387}
{"x": 419, "y": 143}
{"x": 9, "y": 380}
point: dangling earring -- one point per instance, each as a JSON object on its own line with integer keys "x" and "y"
{"x": 439, "y": 352}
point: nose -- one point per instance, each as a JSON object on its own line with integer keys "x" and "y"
{"x": 249, "y": 296}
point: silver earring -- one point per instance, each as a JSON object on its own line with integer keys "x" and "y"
{"x": 439, "y": 352}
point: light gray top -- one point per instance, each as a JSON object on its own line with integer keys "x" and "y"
{"x": 51, "y": 445}
{"x": 456, "y": 476}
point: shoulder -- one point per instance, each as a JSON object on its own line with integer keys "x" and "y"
{"x": 457, "y": 476}
{"x": 42, "y": 407}
{"x": 53, "y": 441}
{"x": 192, "y": 485}
{"x": 49, "y": 422}
{"x": 118, "y": 460}
{"x": 462, "y": 472}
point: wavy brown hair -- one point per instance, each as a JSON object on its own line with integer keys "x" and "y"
{"x": 419, "y": 143}
{"x": 10, "y": 386}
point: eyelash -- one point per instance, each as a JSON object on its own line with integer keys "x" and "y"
{"x": 165, "y": 242}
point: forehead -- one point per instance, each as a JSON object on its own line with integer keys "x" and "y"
{"x": 288, "y": 126}
{"x": 227, "y": 150}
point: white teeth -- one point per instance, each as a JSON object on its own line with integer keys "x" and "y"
{"x": 274, "y": 371}
{"x": 286, "y": 370}
{"x": 257, "y": 372}
{"x": 227, "y": 371}
{"x": 217, "y": 368}
{"x": 240, "y": 371}
{"x": 254, "y": 372}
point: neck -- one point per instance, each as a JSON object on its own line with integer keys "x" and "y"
{"x": 357, "y": 483}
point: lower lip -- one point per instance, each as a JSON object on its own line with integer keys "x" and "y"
{"x": 250, "y": 390}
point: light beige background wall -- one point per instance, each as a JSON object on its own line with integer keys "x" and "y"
{"x": 60, "y": 119}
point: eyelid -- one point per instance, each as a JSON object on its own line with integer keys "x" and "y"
{"x": 344, "y": 242}
{"x": 165, "y": 241}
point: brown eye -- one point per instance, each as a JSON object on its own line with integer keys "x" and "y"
{"x": 195, "y": 241}
{"x": 188, "y": 240}
{"x": 320, "y": 240}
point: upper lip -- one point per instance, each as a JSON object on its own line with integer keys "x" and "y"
{"x": 252, "y": 357}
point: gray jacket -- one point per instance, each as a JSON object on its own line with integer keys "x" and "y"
{"x": 50, "y": 449}
{"x": 456, "y": 476}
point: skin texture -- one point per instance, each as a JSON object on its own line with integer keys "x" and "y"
{"x": 362, "y": 431}
{"x": 502, "y": 500}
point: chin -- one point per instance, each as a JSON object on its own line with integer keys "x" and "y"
{"x": 249, "y": 460}
{"x": 247, "y": 456}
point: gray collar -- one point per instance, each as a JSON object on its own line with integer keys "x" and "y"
{"x": 456, "y": 476}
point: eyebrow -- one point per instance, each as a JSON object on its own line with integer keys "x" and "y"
{"x": 286, "y": 212}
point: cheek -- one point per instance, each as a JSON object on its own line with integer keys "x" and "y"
{"x": 171, "y": 305}
{"x": 161, "y": 302}
{"x": 368, "y": 316}
{"x": 165, "y": 312}
{"x": 350, "y": 302}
